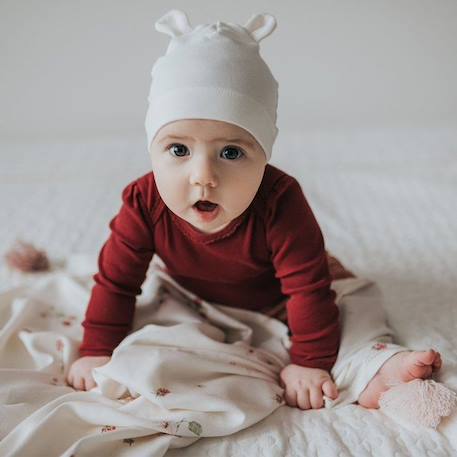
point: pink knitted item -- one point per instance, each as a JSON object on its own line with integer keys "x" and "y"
{"x": 424, "y": 402}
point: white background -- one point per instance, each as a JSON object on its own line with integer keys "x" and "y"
{"x": 82, "y": 68}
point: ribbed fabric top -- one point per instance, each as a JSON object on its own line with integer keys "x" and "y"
{"x": 273, "y": 251}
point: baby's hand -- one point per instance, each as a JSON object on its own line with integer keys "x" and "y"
{"x": 80, "y": 373}
{"x": 304, "y": 386}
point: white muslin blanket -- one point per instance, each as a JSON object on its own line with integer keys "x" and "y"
{"x": 188, "y": 369}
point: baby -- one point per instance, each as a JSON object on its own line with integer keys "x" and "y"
{"x": 229, "y": 227}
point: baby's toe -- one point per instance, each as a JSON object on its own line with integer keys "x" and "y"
{"x": 419, "y": 364}
{"x": 425, "y": 357}
{"x": 437, "y": 362}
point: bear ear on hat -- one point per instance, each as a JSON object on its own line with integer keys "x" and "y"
{"x": 260, "y": 25}
{"x": 173, "y": 23}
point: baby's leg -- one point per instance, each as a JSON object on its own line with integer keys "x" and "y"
{"x": 368, "y": 359}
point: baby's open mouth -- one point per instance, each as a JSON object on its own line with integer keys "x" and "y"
{"x": 205, "y": 205}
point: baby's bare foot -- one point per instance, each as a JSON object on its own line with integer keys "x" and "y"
{"x": 401, "y": 367}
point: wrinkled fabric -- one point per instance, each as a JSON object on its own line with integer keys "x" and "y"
{"x": 189, "y": 369}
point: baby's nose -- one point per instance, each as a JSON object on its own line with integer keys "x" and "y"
{"x": 204, "y": 175}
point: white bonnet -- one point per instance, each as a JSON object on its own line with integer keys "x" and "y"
{"x": 214, "y": 71}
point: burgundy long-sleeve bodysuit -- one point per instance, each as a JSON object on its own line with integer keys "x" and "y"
{"x": 274, "y": 250}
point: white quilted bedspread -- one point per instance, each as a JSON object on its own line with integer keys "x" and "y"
{"x": 386, "y": 204}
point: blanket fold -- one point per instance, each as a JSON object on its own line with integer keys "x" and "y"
{"x": 188, "y": 369}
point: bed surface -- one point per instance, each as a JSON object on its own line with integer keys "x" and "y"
{"x": 385, "y": 201}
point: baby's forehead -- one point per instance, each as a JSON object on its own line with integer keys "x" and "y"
{"x": 205, "y": 130}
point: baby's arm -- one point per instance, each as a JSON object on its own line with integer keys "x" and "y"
{"x": 123, "y": 262}
{"x": 300, "y": 261}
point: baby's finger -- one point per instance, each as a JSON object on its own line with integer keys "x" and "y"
{"x": 83, "y": 384}
{"x": 437, "y": 362}
{"x": 315, "y": 396}
{"x": 79, "y": 383}
{"x": 330, "y": 390}
{"x": 90, "y": 383}
{"x": 303, "y": 398}
{"x": 290, "y": 396}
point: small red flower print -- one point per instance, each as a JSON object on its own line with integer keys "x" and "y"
{"x": 66, "y": 322}
{"x": 162, "y": 391}
{"x": 164, "y": 424}
{"x": 379, "y": 346}
{"x": 59, "y": 345}
{"x": 128, "y": 441}
{"x": 251, "y": 351}
{"x": 108, "y": 428}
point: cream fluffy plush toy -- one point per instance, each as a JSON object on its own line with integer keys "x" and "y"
{"x": 421, "y": 401}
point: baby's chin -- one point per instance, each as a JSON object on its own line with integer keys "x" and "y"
{"x": 192, "y": 217}
{"x": 213, "y": 226}
{"x": 210, "y": 230}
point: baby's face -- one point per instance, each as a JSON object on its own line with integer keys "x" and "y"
{"x": 199, "y": 159}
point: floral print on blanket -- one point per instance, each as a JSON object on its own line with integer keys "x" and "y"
{"x": 51, "y": 312}
{"x": 108, "y": 428}
{"x": 112, "y": 428}
{"x": 379, "y": 346}
{"x": 193, "y": 426}
{"x": 126, "y": 399}
{"x": 162, "y": 391}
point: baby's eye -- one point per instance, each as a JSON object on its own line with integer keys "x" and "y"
{"x": 232, "y": 153}
{"x": 178, "y": 150}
